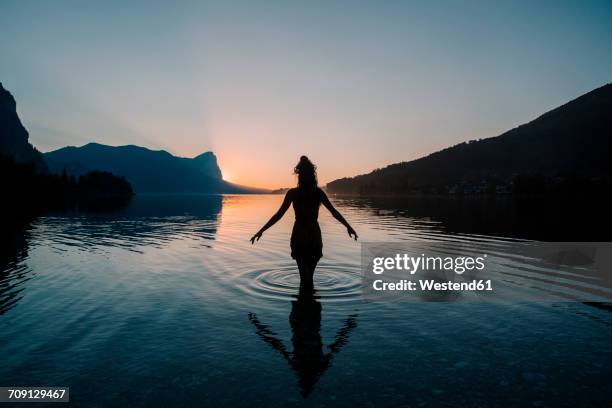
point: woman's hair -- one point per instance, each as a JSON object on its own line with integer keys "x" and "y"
{"x": 306, "y": 172}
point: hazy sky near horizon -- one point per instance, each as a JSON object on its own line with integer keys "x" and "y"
{"x": 354, "y": 85}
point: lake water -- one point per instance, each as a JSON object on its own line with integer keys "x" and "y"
{"x": 166, "y": 303}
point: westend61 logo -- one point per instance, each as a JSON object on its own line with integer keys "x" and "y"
{"x": 435, "y": 271}
{"x": 420, "y": 270}
{"x": 500, "y": 271}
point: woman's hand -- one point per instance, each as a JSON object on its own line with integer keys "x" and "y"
{"x": 256, "y": 237}
{"x": 351, "y": 232}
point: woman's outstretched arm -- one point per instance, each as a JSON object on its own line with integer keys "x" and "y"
{"x": 343, "y": 334}
{"x": 337, "y": 215}
{"x": 275, "y": 218}
{"x": 269, "y": 337}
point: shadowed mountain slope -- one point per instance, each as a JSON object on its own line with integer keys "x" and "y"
{"x": 14, "y": 137}
{"x": 571, "y": 142}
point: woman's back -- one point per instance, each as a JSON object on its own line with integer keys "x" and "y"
{"x": 306, "y": 202}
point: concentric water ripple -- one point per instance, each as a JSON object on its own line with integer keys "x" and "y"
{"x": 333, "y": 283}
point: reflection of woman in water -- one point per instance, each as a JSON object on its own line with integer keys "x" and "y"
{"x": 306, "y": 243}
{"x": 309, "y": 358}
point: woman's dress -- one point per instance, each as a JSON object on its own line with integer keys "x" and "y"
{"x": 306, "y": 241}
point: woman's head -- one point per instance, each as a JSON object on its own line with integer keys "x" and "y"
{"x": 306, "y": 172}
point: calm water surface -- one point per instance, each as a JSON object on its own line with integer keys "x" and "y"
{"x": 166, "y": 303}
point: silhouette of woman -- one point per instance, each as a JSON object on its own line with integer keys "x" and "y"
{"x": 306, "y": 242}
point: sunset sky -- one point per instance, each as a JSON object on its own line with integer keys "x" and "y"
{"x": 354, "y": 85}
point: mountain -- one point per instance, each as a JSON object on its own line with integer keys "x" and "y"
{"x": 567, "y": 146}
{"x": 149, "y": 171}
{"x": 14, "y": 137}
{"x": 28, "y": 188}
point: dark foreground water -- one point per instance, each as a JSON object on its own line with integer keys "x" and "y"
{"x": 166, "y": 303}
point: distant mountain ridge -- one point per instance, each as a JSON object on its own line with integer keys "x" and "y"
{"x": 14, "y": 136}
{"x": 571, "y": 141}
{"x": 149, "y": 171}
{"x": 29, "y": 188}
